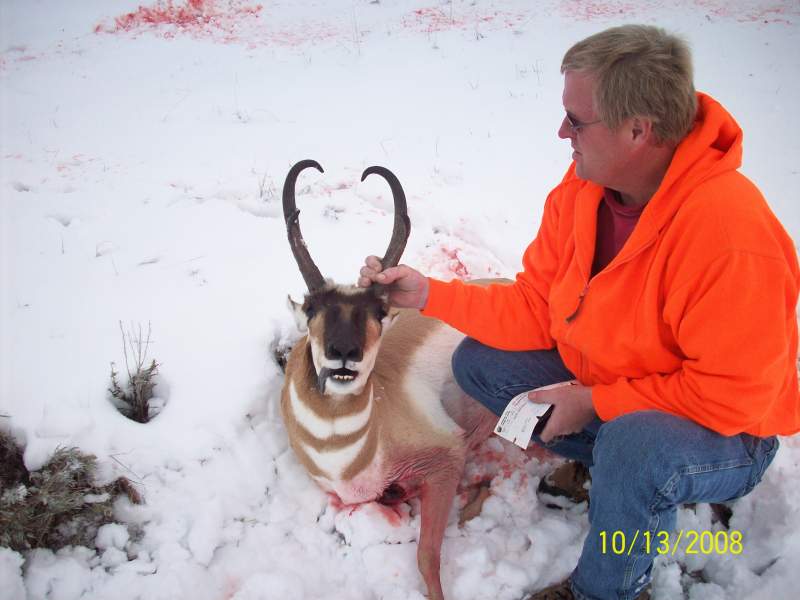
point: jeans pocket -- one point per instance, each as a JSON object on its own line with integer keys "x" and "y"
{"x": 762, "y": 451}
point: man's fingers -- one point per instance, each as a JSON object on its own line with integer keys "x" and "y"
{"x": 374, "y": 263}
{"x": 388, "y": 276}
{"x": 370, "y": 272}
{"x": 368, "y": 275}
{"x": 546, "y": 436}
{"x": 537, "y": 398}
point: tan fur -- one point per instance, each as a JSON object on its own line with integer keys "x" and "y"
{"x": 392, "y": 368}
{"x": 365, "y": 457}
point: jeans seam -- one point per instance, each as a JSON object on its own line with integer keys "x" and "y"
{"x": 630, "y": 567}
{"x": 714, "y": 467}
{"x": 652, "y": 528}
{"x": 505, "y": 388}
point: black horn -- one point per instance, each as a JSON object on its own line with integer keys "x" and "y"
{"x": 313, "y": 278}
{"x": 402, "y": 225}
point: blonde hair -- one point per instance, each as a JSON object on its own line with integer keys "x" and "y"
{"x": 642, "y": 71}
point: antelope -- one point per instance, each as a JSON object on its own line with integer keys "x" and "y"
{"x": 369, "y": 401}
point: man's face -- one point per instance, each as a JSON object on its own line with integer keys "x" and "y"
{"x": 600, "y": 155}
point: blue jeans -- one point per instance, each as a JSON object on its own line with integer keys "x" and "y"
{"x": 643, "y": 466}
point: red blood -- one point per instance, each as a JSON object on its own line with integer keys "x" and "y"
{"x": 335, "y": 501}
{"x": 195, "y": 17}
{"x": 582, "y": 10}
{"x": 431, "y": 20}
{"x": 455, "y": 264}
{"x": 779, "y": 11}
{"x": 393, "y": 514}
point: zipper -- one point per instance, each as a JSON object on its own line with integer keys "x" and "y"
{"x": 585, "y": 290}
{"x": 571, "y": 317}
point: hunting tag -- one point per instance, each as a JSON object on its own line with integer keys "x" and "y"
{"x": 520, "y": 417}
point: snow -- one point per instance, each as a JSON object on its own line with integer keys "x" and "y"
{"x": 143, "y": 150}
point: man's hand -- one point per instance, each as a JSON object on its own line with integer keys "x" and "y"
{"x": 407, "y": 288}
{"x": 572, "y": 409}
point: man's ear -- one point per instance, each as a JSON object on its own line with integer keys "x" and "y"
{"x": 300, "y": 319}
{"x": 641, "y": 129}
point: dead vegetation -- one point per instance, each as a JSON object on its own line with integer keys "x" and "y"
{"x": 133, "y": 397}
{"x": 58, "y": 505}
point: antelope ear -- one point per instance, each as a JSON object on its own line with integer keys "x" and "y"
{"x": 300, "y": 318}
{"x": 389, "y": 319}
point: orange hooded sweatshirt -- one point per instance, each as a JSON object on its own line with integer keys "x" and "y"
{"x": 696, "y": 314}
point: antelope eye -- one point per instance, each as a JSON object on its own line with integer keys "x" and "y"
{"x": 310, "y": 311}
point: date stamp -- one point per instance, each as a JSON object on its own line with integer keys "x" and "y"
{"x": 664, "y": 543}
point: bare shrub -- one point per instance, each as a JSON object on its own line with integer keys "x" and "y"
{"x": 133, "y": 397}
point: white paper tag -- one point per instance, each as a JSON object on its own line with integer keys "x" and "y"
{"x": 519, "y": 419}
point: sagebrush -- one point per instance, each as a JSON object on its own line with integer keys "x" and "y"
{"x": 58, "y": 505}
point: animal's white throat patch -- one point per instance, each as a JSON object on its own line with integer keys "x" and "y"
{"x": 322, "y": 428}
{"x": 335, "y": 462}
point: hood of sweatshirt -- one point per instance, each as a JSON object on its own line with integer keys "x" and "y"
{"x": 713, "y": 147}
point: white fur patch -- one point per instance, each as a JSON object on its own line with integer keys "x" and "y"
{"x": 352, "y": 423}
{"x": 318, "y": 355}
{"x": 323, "y": 482}
{"x": 335, "y": 462}
{"x": 322, "y": 428}
{"x": 300, "y": 318}
{"x": 430, "y": 376}
{"x": 349, "y": 289}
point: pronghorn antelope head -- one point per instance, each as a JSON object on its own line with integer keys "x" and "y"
{"x": 344, "y": 323}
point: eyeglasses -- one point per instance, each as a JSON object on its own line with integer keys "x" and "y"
{"x": 576, "y": 126}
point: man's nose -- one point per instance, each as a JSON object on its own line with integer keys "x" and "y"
{"x": 565, "y": 131}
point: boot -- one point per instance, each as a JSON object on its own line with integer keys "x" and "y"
{"x": 566, "y": 485}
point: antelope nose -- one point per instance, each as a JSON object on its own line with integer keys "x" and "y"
{"x": 342, "y": 351}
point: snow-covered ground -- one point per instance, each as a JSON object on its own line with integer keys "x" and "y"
{"x": 142, "y": 154}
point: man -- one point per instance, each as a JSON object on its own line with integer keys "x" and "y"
{"x": 663, "y": 283}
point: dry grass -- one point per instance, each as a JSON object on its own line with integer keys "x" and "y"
{"x": 58, "y": 505}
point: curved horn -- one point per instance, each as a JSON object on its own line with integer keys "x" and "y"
{"x": 313, "y": 278}
{"x": 402, "y": 225}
